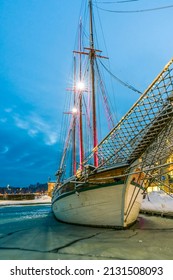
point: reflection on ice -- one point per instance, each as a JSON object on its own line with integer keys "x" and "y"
{"x": 10, "y": 214}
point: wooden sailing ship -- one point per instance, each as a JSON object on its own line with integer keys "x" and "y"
{"x": 105, "y": 186}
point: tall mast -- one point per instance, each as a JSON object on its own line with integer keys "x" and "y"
{"x": 80, "y": 99}
{"x": 74, "y": 121}
{"x": 92, "y": 59}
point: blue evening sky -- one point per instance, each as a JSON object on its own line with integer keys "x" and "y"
{"x": 36, "y": 43}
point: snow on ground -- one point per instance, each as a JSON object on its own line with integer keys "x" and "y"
{"x": 40, "y": 200}
{"x": 158, "y": 202}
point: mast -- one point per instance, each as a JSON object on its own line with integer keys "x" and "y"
{"x": 80, "y": 99}
{"x": 74, "y": 121}
{"x": 92, "y": 59}
{"x": 92, "y": 55}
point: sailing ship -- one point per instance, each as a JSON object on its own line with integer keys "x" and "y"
{"x": 104, "y": 183}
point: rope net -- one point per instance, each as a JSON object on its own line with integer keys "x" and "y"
{"x": 145, "y": 123}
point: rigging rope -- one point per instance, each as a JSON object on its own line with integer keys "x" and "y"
{"x": 116, "y": 2}
{"x": 105, "y": 100}
{"x": 135, "y": 11}
{"x": 120, "y": 81}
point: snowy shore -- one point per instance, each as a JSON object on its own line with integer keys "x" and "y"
{"x": 41, "y": 200}
{"x": 158, "y": 202}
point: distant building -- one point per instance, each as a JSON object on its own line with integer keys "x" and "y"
{"x": 50, "y": 188}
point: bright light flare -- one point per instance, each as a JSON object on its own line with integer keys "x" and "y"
{"x": 74, "y": 110}
{"x": 80, "y": 86}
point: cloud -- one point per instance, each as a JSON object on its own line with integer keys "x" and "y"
{"x": 8, "y": 110}
{"x": 4, "y": 149}
{"x": 25, "y": 159}
{"x": 21, "y": 123}
{"x": 35, "y": 125}
{"x": 28, "y": 147}
{"x": 3, "y": 120}
{"x": 51, "y": 139}
{"x": 22, "y": 157}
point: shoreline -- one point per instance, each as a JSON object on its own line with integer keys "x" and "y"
{"x": 39, "y": 201}
{"x": 157, "y": 213}
{"x": 24, "y": 204}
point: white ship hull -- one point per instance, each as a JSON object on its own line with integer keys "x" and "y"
{"x": 111, "y": 205}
